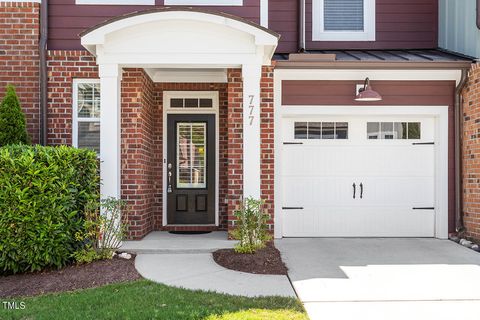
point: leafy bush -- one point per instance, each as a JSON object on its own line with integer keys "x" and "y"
{"x": 12, "y": 120}
{"x": 251, "y": 226}
{"x": 102, "y": 233}
{"x": 44, "y": 194}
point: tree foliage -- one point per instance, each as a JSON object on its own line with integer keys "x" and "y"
{"x": 12, "y": 120}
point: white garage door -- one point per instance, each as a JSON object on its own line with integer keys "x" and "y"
{"x": 358, "y": 177}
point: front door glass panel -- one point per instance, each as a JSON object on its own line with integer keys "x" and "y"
{"x": 191, "y": 155}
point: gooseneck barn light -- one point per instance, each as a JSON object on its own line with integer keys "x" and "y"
{"x": 366, "y": 93}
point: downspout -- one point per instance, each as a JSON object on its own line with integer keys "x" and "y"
{"x": 43, "y": 70}
{"x": 458, "y": 151}
{"x": 301, "y": 27}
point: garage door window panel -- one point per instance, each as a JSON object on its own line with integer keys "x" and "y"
{"x": 321, "y": 130}
{"x": 394, "y": 130}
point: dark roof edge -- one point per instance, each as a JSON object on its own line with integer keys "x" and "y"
{"x": 185, "y": 9}
{"x": 458, "y": 54}
{"x": 431, "y": 65}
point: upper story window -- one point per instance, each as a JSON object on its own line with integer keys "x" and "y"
{"x": 86, "y": 114}
{"x": 343, "y": 20}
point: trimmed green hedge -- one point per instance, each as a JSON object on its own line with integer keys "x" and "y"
{"x": 44, "y": 192}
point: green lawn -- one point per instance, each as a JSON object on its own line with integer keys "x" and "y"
{"x": 147, "y": 300}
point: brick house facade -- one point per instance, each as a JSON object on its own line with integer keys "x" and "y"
{"x": 141, "y": 103}
{"x": 259, "y": 115}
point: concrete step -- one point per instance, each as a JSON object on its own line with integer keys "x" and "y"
{"x": 160, "y": 242}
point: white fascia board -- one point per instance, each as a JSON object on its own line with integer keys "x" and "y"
{"x": 10, "y": 1}
{"x": 116, "y": 2}
{"x": 375, "y": 75}
{"x": 203, "y": 3}
{"x": 182, "y": 76}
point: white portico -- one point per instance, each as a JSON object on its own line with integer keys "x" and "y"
{"x": 190, "y": 40}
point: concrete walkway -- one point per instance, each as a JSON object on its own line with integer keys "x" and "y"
{"x": 199, "y": 271}
{"x": 186, "y": 261}
{"x": 379, "y": 279}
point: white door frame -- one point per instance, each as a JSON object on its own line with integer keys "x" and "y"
{"x": 167, "y": 95}
{"x": 440, "y": 113}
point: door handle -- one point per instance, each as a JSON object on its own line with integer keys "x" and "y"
{"x": 354, "y": 189}
{"x": 361, "y": 190}
{"x": 169, "y": 187}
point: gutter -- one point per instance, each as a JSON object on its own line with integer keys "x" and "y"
{"x": 43, "y": 70}
{"x": 459, "y": 227}
{"x": 301, "y": 26}
{"x": 289, "y": 64}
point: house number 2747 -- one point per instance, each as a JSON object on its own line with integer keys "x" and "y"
{"x": 251, "y": 106}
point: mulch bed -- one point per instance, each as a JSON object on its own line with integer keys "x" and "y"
{"x": 264, "y": 261}
{"x": 70, "y": 278}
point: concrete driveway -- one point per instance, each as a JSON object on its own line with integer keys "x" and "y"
{"x": 384, "y": 279}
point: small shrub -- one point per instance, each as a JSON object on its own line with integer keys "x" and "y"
{"x": 251, "y": 226}
{"x": 44, "y": 194}
{"x": 12, "y": 120}
{"x": 103, "y": 232}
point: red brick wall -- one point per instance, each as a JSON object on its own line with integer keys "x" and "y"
{"x": 19, "y": 58}
{"x": 138, "y": 150}
{"x": 235, "y": 142}
{"x": 267, "y": 141}
{"x": 471, "y": 154}
{"x": 63, "y": 67}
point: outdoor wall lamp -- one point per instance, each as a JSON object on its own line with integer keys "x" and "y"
{"x": 367, "y": 94}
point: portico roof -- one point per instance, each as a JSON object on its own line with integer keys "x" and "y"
{"x": 175, "y": 32}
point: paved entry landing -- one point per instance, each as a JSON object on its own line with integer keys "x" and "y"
{"x": 384, "y": 278}
{"x": 165, "y": 242}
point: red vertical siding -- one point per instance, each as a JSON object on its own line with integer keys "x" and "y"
{"x": 67, "y": 20}
{"x": 408, "y": 24}
{"x": 283, "y": 19}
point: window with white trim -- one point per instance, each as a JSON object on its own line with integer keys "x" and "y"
{"x": 86, "y": 114}
{"x": 343, "y": 20}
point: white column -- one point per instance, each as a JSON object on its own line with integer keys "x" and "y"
{"x": 251, "y": 74}
{"x": 110, "y": 77}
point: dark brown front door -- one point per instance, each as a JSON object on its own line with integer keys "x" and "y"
{"x": 191, "y": 169}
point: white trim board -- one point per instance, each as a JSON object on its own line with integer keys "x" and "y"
{"x": 204, "y": 2}
{"x": 188, "y": 75}
{"x": 361, "y": 74}
{"x": 167, "y": 95}
{"x": 116, "y": 2}
{"x": 264, "y": 13}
